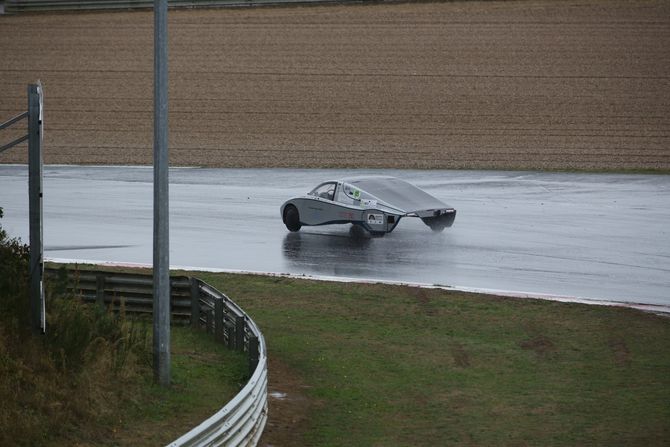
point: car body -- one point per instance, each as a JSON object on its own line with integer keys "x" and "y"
{"x": 375, "y": 203}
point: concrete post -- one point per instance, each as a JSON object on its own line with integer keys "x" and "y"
{"x": 161, "y": 311}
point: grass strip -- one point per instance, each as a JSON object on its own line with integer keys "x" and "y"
{"x": 205, "y": 376}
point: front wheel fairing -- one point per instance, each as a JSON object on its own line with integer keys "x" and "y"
{"x": 439, "y": 218}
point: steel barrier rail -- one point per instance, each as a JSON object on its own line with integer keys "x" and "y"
{"x": 135, "y": 290}
{"x": 242, "y": 420}
{"x": 18, "y": 6}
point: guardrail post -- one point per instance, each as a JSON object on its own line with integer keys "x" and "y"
{"x": 230, "y": 331}
{"x": 253, "y": 354}
{"x": 218, "y": 320}
{"x": 195, "y": 303}
{"x": 208, "y": 321}
{"x": 240, "y": 322}
{"x": 100, "y": 290}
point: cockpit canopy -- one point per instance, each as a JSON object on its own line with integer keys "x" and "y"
{"x": 392, "y": 192}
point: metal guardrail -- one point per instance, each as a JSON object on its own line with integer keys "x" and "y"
{"x": 18, "y": 6}
{"x": 241, "y": 421}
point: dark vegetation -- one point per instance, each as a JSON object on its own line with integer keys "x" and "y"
{"x": 89, "y": 380}
{"x": 63, "y": 384}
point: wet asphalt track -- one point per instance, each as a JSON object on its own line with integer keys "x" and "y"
{"x": 596, "y": 236}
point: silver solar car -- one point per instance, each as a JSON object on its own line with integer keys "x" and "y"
{"x": 375, "y": 203}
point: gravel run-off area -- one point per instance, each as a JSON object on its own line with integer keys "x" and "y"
{"x": 504, "y": 85}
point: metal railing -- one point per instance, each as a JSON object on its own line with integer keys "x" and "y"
{"x": 7, "y": 124}
{"x": 35, "y": 134}
{"x": 18, "y": 6}
{"x": 241, "y": 421}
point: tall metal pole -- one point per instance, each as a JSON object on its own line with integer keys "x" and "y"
{"x": 37, "y": 312}
{"x": 161, "y": 314}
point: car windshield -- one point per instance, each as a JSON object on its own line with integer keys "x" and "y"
{"x": 325, "y": 191}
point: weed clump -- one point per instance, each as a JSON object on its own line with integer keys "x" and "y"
{"x": 61, "y": 385}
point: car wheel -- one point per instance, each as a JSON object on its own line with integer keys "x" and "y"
{"x": 292, "y": 218}
{"x": 357, "y": 232}
{"x": 437, "y": 228}
{"x": 434, "y": 223}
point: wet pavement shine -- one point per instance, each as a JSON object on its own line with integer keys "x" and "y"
{"x": 594, "y": 236}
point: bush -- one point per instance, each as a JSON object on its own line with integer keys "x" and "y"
{"x": 14, "y": 281}
{"x": 84, "y": 368}
{"x": 79, "y": 334}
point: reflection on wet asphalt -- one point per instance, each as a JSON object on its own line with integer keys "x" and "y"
{"x": 334, "y": 251}
{"x": 588, "y": 235}
{"x": 307, "y": 248}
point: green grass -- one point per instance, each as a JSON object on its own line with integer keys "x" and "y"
{"x": 391, "y": 365}
{"x": 205, "y": 376}
{"x": 403, "y": 366}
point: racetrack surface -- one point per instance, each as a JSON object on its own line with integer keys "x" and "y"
{"x": 507, "y": 85}
{"x": 602, "y": 237}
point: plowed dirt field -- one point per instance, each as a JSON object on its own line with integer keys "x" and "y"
{"x": 527, "y": 84}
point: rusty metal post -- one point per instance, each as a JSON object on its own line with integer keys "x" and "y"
{"x": 254, "y": 354}
{"x": 195, "y": 303}
{"x": 240, "y": 324}
{"x": 100, "y": 289}
{"x": 218, "y": 320}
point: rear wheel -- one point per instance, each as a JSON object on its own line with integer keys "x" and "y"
{"x": 357, "y": 232}
{"x": 292, "y": 218}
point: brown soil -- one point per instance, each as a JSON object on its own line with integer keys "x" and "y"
{"x": 530, "y": 84}
{"x": 539, "y": 344}
{"x": 622, "y": 355}
{"x": 288, "y": 407}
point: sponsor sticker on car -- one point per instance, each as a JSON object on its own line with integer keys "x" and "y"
{"x": 375, "y": 219}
